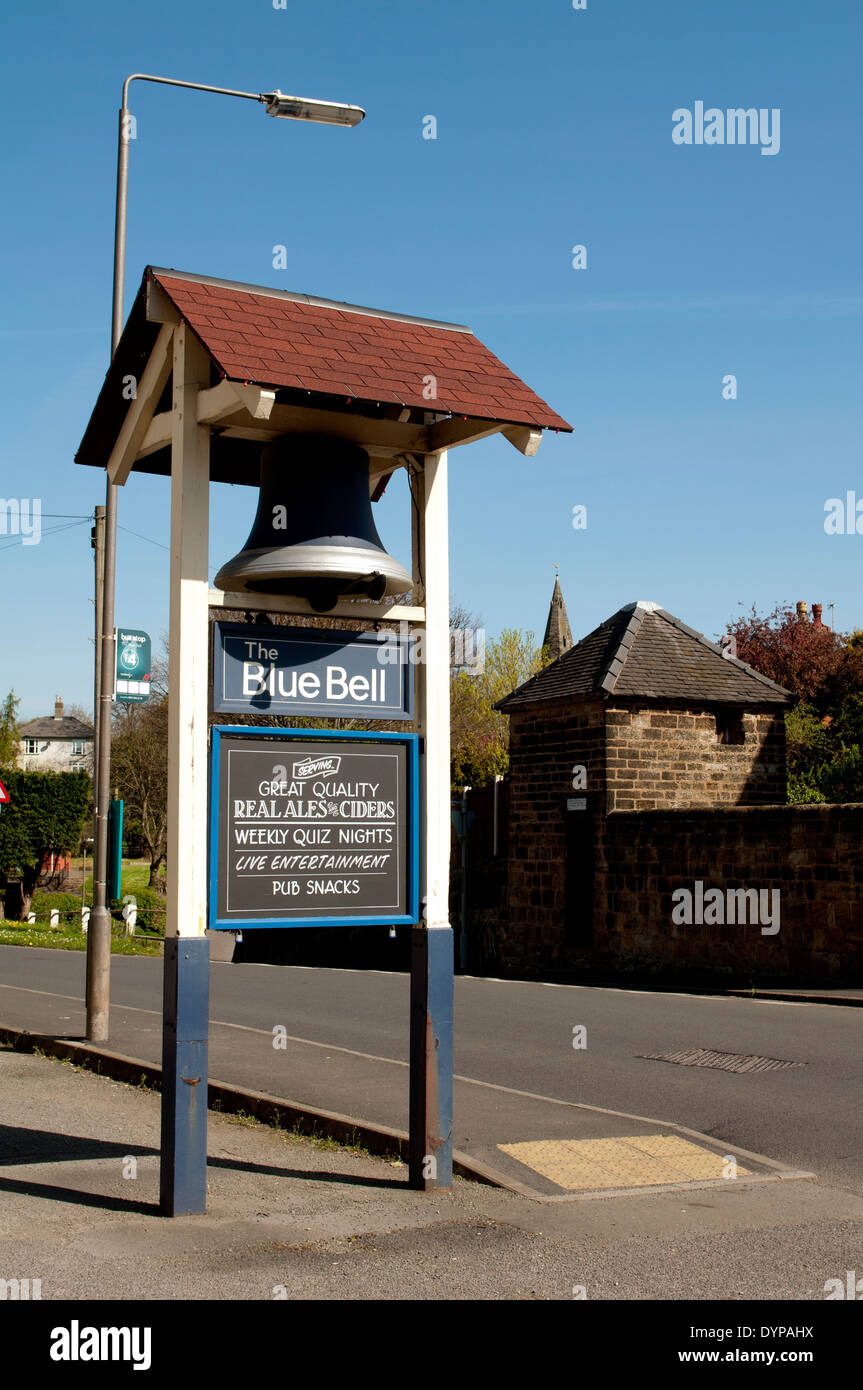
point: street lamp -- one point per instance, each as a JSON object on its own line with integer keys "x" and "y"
{"x": 276, "y": 104}
{"x": 307, "y": 109}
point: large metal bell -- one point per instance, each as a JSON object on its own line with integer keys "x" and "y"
{"x": 314, "y": 535}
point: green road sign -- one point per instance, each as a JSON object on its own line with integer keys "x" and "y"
{"x": 132, "y": 671}
{"x": 115, "y": 849}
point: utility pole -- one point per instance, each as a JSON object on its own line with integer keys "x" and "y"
{"x": 99, "y": 931}
{"x": 97, "y": 541}
{"x": 281, "y": 106}
{"x": 99, "y": 928}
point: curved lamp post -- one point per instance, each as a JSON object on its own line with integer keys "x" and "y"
{"x": 276, "y": 104}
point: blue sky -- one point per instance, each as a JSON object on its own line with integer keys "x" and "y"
{"x": 553, "y": 129}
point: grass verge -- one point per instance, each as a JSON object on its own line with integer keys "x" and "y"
{"x": 73, "y": 939}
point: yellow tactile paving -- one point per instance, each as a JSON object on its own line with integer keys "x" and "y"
{"x": 641, "y": 1160}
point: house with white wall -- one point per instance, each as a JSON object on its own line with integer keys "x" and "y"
{"x": 56, "y": 743}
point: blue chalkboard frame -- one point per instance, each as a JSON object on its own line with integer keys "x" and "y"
{"x": 410, "y": 741}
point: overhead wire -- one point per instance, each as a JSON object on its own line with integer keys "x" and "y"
{"x": 12, "y": 541}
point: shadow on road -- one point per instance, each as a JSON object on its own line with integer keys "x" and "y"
{"x": 20, "y": 1147}
{"x": 81, "y": 1199}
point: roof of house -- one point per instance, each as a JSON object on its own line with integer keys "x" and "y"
{"x": 49, "y": 727}
{"x": 644, "y": 653}
{"x": 313, "y": 352}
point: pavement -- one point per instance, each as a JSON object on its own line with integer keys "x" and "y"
{"x": 346, "y": 1036}
{"x": 289, "y": 1218}
{"x": 543, "y": 1147}
{"x": 577, "y": 1201}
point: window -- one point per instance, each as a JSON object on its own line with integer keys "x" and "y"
{"x": 729, "y": 726}
{"x": 31, "y": 745}
{"x": 78, "y": 767}
{"x": 78, "y": 749}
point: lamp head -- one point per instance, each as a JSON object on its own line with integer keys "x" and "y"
{"x": 309, "y": 109}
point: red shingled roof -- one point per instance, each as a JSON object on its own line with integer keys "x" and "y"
{"x": 278, "y": 339}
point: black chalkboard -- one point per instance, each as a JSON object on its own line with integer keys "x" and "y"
{"x": 312, "y": 831}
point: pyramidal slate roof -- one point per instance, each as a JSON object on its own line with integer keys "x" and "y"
{"x": 644, "y": 653}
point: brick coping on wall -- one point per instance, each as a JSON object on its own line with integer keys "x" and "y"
{"x": 823, "y": 810}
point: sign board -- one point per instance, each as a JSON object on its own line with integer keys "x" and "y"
{"x": 132, "y": 671}
{"x": 461, "y": 821}
{"x": 309, "y": 671}
{"x": 4, "y": 795}
{"x": 311, "y": 828}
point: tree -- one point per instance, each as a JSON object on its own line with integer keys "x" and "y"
{"x": 809, "y": 747}
{"x": 797, "y": 655}
{"x": 480, "y": 733}
{"x": 45, "y": 814}
{"x": 825, "y": 731}
{"x": 78, "y": 712}
{"x": 9, "y": 737}
{"x": 139, "y": 772}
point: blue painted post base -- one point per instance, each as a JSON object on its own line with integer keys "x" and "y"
{"x": 430, "y": 1161}
{"x": 185, "y": 1029}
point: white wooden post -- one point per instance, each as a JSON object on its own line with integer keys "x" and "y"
{"x": 436, "y": 671}
{"x": 187, "y": 648}
{"x": 432, "y": 952}
{"x": 186, "y": 978}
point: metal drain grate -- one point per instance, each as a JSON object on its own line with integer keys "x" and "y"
{"x": 724, "y": 1061}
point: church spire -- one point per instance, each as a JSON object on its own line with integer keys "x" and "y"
{"x": 558, "y": 634}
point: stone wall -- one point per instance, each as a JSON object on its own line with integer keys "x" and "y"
{"x": 545, "y": 745}
{"x": 674, "y": 758}
{"x": 812, "y": 855}
{"x": 588, "y": 892}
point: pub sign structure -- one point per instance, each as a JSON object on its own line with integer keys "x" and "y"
{"x": 248, "y": 385}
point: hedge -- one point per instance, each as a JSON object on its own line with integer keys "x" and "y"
{"x": 67, "y": 904}
{"x": 151, "y": 910}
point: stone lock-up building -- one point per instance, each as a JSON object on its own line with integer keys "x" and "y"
{"x": 647, "y": 824}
